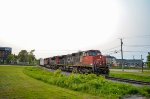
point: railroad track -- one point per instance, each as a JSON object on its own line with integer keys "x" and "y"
{"x": 128, "y": 81}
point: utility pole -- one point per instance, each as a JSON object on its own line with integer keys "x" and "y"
{"x": 122, "y": 55}
{"x": 142, "y": 63}
{"x": 133, "y": 57}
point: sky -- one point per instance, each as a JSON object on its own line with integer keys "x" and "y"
{"x": 57, "y": 27}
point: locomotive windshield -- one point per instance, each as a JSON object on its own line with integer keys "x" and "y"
{"x": 94, "y": 53}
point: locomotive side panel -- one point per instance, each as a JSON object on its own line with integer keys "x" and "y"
{"x": 46, "y": 61}
{"x": 52, "y": 61}
{"x": 57, "y": 61}
{"x": 76, "y": 58}
{"x": 87, "y": 60}
{"x": 69, "y": 60}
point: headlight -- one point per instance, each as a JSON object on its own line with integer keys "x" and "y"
{"x": 91, "y": 64}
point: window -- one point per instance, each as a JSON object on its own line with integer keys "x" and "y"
{"x": 92, "y": 53}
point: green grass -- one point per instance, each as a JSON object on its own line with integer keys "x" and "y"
{"x": 145, "y": 76}
{"x": 14, "y": 84}
{"x": 90, "y": 84}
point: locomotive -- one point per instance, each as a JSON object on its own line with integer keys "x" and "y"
{"x": 90, "y": 61}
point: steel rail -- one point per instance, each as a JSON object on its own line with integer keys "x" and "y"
{"x": 128, "y": 81}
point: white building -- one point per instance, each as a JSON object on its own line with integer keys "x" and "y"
{"x": 130, "y": 62}
{"x": 111, "y": 60}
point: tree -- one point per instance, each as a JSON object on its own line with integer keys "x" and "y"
{"x": 15, "y": 59}
{"x": 148, "y": 60}
{"x": 27, "y": 57}
{"x": 31, "y": 57}
{"x": 23, "y": 56}
{"x": 10, "y": 59}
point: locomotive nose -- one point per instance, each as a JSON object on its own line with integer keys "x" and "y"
{"x": 99, "y": 61}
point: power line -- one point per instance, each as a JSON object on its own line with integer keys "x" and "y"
{"x": 137, "y": 36}
{"x": 114, "y": 52}
{"x": 137, "y": 51}
{"x": 137, "y": 45}
{"x": 111, "y": 48}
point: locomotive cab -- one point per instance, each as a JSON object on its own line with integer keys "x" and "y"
{"x": 90, "y": 56}
{"x": 95, "y": 59}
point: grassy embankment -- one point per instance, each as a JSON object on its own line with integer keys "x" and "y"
{"x": 91, "y": 83}
{"x": 14, "y": 84}
{"x": 145, "y": 76}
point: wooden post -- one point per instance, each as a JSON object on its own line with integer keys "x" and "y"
{"x": 122, "y": 55}
{"x": 142, "y": 63}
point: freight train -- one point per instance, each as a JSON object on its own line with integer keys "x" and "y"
{"x": 90, "y": 61}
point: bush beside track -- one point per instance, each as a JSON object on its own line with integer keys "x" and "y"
{"x": 92, "y": 84}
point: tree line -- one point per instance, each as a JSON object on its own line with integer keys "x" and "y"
{"x": 24, "y": 58}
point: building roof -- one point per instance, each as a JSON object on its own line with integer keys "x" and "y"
{"x": 108, "y": 56}
{"x": 5, "y": 48}
{"x": 129, "y": 60}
